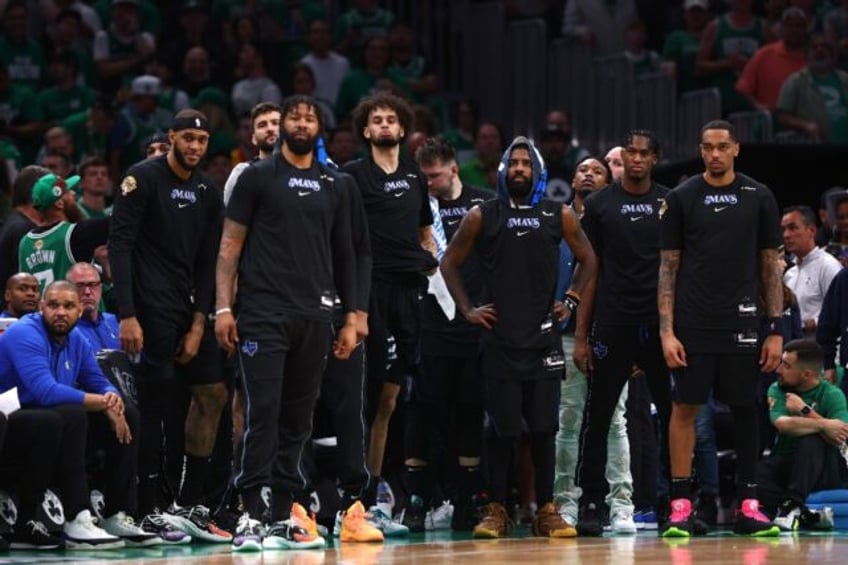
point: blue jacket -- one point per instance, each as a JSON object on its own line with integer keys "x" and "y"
{"x": 832, "y": 326}
{"x": 102, "y": 334}
{"x": 45, "y": 372}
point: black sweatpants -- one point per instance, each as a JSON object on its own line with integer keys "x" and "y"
{"x": 815, "y": 465}
{"x": 343, "y": 398}
{"x": 281, "y": 364}
{"x": 615, "y": 350}
{"x": 28, "y": 454}
{"x": 642, "y": 436}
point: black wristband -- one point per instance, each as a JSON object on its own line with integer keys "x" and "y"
{"x": 775, "y": 326}
{"x": 571, "y": 301}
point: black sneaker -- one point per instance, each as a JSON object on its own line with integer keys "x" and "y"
{"x": 468, "y": 512}
{"x": 34, "y": 535}
{"x": 706, "y": 514}
{"x": 414, "y": 515}
{"x": 590, "y": 522}
{"x": 680, "y": 518}
{"x": 663, "y": 506}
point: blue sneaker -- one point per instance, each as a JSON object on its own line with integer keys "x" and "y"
{"x": 645, "y": 519}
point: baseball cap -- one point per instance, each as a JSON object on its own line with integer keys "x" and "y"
{"x": 145, "y": 85}
{"x": 689, "y": 4}
{"x": 50, "y": 188}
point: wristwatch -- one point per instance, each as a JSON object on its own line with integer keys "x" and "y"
{"x": 805, "y": 411}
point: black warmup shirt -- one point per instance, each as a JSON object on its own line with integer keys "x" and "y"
{"x": 397, "y": 206}
{"x": 298, "y": 249}
{"x": 14, "y": 228}
{"x": 519, "y": 252}
{"x": 163, "y": 243}
{"x": 720, "y": 232}
{"x": 441, "y": 336}
{"x": 625, "y": 234}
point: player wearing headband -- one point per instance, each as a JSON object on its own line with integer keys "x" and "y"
{"x": 163, "y": 246}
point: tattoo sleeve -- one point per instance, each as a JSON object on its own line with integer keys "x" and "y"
{"x": 669, "y": 266}
{"x": 229, "y": 252}
{"x": 771, "y": 282}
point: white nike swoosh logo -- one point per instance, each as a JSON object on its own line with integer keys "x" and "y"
{"x": 637, "y": 218}
{"x": 548, "y": 214}
{"x": 398, "y": 194}
{"x": 452, "y": 222}
{"x": 519, "y": 234}
{"x": 719, "y": 209}
{"x": 304, "y": 192}
{"x": 182, "y": 205}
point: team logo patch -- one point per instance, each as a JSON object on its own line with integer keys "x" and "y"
{"x": 8, "y": 510}
{"x": 600, "y": 350}
{"x": 250, "y": 348}
{"x": 39, "y": 243}
{"x": 52, "y": 507}
{"x": 128, "y": 185}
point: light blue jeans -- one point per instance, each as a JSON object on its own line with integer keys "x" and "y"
{"x": 572, "y": 401}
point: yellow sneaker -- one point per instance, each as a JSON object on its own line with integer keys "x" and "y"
{"x": 549, "y": 524}
{"x": 495, "y": 524}
{"x": 355, "y": 526}
{"x": 301, "y": 518}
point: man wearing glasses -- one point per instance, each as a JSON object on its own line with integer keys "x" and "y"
{"x": 99, "y": 328}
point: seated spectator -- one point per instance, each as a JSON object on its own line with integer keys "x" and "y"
{"x": 148, "y": 16}
{"x": 644, "y": 60}
{"x": 214, "y": 104}
{"x": 681, "y": 45}
{"x": 21, "y": 296}
{"x": 255, "y": 85}
{"x": 342, "y": 145}
{"x": 600, "y": 25}
{"x": 814, "y": 100}
{"x": 488, "y": 147}
{"x": 121, "y": 50}
{"x": 171, "y": 98}
{"x": 30, "y": 441}
{"x": 21, "y": 114}
{"x": 63, "y": 239}
{"x": 329, "y": 67}
{"x": 836, "y": 32}
{"x": 23, "y": 218}
{"x": 811, "y": 418}
{"x": 90, "y": 128}
{"x": 88, "y": 17}
{"x": 303, "y": 82}
{"x": 70, "y": 34}
{"x": 57, "y": 140}
{"x": 65, "y": 96}
{"x": 375, "y": 76}
{"x": 95, "y": 185}
{"x": 58, "y": 163}
{"x": 765, "y": 73}
{"x": 461, "y": 135}
{"x": 420, "y": 78}
{"x": 21, "y": 56}
{"x": 157, "y": 145}
{"x": 727, "y": 44}
{"x": 99, "y": 328}
{"x": 561, "y": 154}
{"x": 54, "y": 367}
{"x": 139, "y": 119}
{"x": 355, "y": 27}
{"x": 196, "y": 71}
{"x": 218, "y": 166}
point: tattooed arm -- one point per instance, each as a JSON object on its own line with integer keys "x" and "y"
{"x": 771, "y": 281}
{"x": 675, "y": 354}
{"x": 583, "y": 283}
{"x": 229, "y": 252}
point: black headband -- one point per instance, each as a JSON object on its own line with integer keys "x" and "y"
{"x": 197, "y": 122}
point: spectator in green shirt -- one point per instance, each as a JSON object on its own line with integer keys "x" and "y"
{"x": 22, "y": 56}
{"x": 65, "y": 96}
{"x": 681, "y": 45}
{"x": 483, "y": 169}
{"x": 359, "y": 24}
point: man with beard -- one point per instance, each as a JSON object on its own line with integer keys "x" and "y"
{"x": 22, "y": 292}
{"x": 517, "y": 237}
{"x": 394, "y": 193}
{"x": 812, "y": 424}
{"x": 165, "y": 229}
{"x": 63, "y": 238}
{"x": 622, "y": 223}
{"x": 265, "y": 118}
{"x": 287, "y": 236}
{"x": 53, "y": 367}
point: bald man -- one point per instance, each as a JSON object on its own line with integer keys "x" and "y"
{"x": 21, "y": 295}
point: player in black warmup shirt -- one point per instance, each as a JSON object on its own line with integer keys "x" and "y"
{"x": 394, "y": 193}
{"x": 622, "y": 223}
{"x": 287, "y": 236}
{"x": 164, "y": 236}
{"x": 446, "y": 401}
{"x": 517, "y": 237}
{"x": 719, "y": 234}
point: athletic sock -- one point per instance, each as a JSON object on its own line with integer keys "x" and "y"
{"x": 417, "y": 482}
{"x": 681, "y": 487}
{"x": 469, "y": 481}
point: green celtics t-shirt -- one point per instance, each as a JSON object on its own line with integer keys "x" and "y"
{"x": 825, "y": 399}
{"x": 682, "y": 48}
{"x": 47, "y": 254}
{"x": 836, "y": 104}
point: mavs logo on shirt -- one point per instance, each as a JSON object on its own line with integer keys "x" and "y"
{"x": 183, "y": 197}
{"x": 644, "y": 209}
{"x": 714, "y": 199}
{"x": 396, "y": 187}
{"x": 532, "y": 223}
{"x": 307, "y": 184}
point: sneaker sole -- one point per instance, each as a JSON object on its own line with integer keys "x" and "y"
{"x": 674, "y": 532}
{"x": 147, "y": 542}
{"x": 32, "y": 546}
{"x": 624, "y": 531}
{"x": 398, "y": 533}
{"x": 353, "y": 539}
{"x": 284, "y": 544}
{"x": 772, "y": 532}
{"x": 189, "y": 527}
{"x": 89, "y": 546}
{"x": 485, "y": 534}
{"x": 250, "y": 546}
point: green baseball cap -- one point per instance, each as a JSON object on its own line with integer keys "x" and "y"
{"x": 50, "y": 188}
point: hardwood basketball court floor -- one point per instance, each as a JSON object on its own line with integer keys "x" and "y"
{"x": 444, "y": 547}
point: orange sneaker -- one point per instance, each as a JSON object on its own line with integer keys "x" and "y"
{"x": 495, "y": 523}
{"x": 301, "y": 518}
{"x": 355, "y": 526}
{"x": 549, "y": 524}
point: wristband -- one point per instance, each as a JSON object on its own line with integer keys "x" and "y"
{"x": 220, "y": 311}
{"x": 775, "y": 326}
{"x": 571, "y": 300}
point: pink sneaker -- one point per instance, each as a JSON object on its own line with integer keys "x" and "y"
{"x": 751, "y": 522}
{"x": 679, "y": 519}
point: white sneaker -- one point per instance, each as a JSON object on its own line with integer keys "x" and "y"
{"x": 385, "y": 524}
{"x": 788, "y": 519}
{"x": 124, "y": 527}
{"x": 439, "y": 518}
{"x": 622, "y": 523}
{"x": 81, "y": 533}
{"x": 385, "y": 498}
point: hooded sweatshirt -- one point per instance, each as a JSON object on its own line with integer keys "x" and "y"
{"x": 519, "y": 251}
